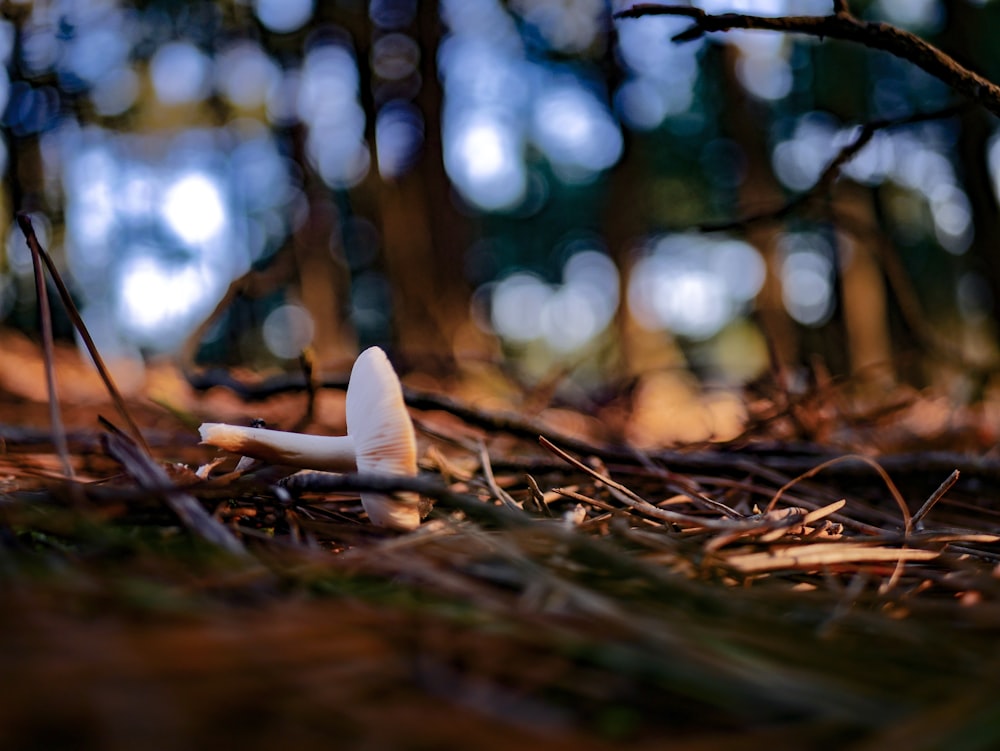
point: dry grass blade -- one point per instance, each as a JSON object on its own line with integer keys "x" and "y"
{"x": 893, "y": 490}
{"x": 604, "y": 479}
{"x": 45, "y": 319}
{"x": 24, "y": 222}
{"x": 688, "y": 487}
{"x": 631, "y": 499}
{"x": 800, "y": 524}
{"x": 954, "y": 537}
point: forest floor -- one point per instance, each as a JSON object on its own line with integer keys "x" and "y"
{"x": 828, "y": 578}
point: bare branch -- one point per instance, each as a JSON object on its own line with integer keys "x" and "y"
{"x": 832, "y": 171}
{"x": 844, "y": 26}
{"x": 840, "y": 8}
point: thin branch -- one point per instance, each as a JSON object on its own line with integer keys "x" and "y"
{"x": 936, "y": 496}
{"x": 832, "y": 171}
{"x": 879, "y": 469}
{"x": 844, "y": 26}
{"x": 45, "y": 324}
{"x": 24, "y": 222}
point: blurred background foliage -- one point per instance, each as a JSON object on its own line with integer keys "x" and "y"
{"x": 234, "y": 181}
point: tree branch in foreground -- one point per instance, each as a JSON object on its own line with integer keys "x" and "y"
{"x": 844, "y": 26}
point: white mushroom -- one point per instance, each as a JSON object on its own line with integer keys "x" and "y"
{"x": 379, "y": 439}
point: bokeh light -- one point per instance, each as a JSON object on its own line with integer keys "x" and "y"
{"x": 807, "y": 278}
{"x": 694, "y": 285}
{"x": 283, "y": 16}
{"x": 492, "y": 89}
{"x": 483, "y": 157}
{"x": 180, "y": 73}
{"x": 565, "y": 316}
{"x": 575, "y": 131}
{"x": 288, "y": 330}
{"x": 159, "y": 301}
{"x": 192, "y": 208}
{"x": 399, "y": 132}
{"x": 566, "y": 25}
{"x": 181, "y": 143}
{"x": 328, "y": 102}
{"x": 662, "y": 74}
{"x": 517, "y": 307}
{"x": 245, "y": 74}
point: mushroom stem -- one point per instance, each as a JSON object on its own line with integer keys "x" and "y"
{"x": 331, "y": 453}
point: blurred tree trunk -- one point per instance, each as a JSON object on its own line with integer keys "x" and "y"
{"x": 863, "y": 290}
{"x": 322, "y": 278}
{"x": 759, "y": 190}
{"x": 968, "y": 38}
{"x": 975, "y": 131}
{"x": 424, "y": 235}
{"x": 623, "y": 225}
{"x": 636, "y": 350}
{"x": 323, "y": 282}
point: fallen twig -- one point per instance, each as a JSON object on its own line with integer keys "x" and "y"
{"x": 152, "y": 477}
{"x": 936, "y": 496}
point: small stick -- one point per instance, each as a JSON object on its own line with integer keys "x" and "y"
{"x": 153, "y": 478}
{"x": 687, "y": 486}
{"x": 307, "y": 366}
{"x": 491, "y": 481}
{"x": 24, "y": 222}
{"x": 936, "y": 496}
{"x": 48, "y": 346}
{"x": 635, "y": 501}
{"x": 537, "y": 495}
{"x": 567, "y": 493}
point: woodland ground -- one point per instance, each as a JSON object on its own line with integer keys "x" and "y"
{"x": 569, "y": 593}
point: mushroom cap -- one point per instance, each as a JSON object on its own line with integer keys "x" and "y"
{"x": 384, "y": 441}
